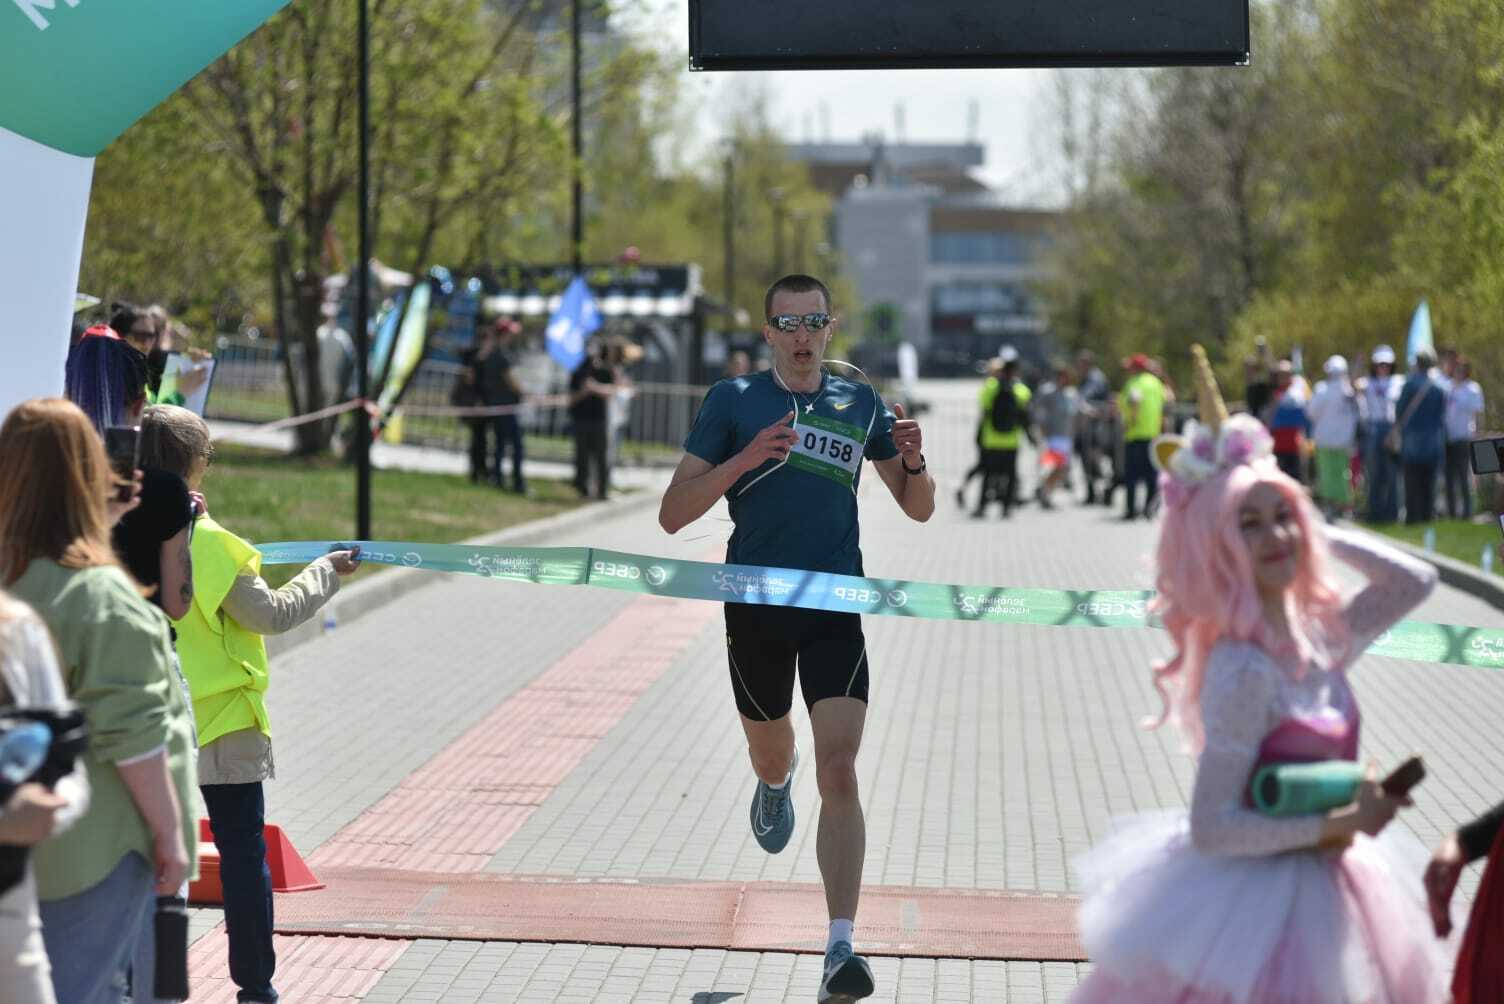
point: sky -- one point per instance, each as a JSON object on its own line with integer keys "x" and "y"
{"x": 1013, "y": 107}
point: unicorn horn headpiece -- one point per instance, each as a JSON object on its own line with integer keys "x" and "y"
{"x": 1214, "y": 444}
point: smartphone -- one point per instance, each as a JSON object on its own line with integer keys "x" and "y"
{"x": 122, "y": 443}
{"x": 1404, "y": 777}
{"x": 1488, "y": 455}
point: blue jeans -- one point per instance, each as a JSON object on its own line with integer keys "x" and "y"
{"x": 237, "y": 815}
{"x": 1382, "y": 476}
{"x": 91, "y": 936}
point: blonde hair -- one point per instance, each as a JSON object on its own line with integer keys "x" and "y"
{"x": 54, "y": 481}
{"x": 175, "y": 440}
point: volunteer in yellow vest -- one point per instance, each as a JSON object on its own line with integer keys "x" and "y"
{"x": 221, "y": 646}
{"x": 1142, "y": 403}
{"x": 1001, "y": 427}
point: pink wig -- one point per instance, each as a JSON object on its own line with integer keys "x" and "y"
{"x": 1206, "y": 588}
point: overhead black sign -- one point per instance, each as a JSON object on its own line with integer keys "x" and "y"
{"x": 904, "y": 34}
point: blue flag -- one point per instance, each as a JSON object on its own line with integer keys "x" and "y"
{"x": 574, "y": 321}
{"x": 1420, "y": 333}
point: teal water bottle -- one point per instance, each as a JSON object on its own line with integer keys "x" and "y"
{"x": 1306, "y": 789}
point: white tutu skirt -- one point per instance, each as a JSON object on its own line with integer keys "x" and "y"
{"x": 1166, "y": 924}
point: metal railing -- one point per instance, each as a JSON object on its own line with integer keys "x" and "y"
{"x": 652, "y": 422}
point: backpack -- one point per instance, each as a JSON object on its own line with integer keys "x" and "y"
{"x": 1005, "y": 410}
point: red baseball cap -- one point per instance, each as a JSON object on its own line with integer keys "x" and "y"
{"x": 1137, "y": 361}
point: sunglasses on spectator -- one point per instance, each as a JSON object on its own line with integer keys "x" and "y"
{"x": 790, "y": 322}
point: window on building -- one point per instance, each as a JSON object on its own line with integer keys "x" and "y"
{"x": 984, "y": 248}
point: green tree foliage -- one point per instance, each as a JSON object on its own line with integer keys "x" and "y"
{"x": 1312, "y": 198}
{"x": 234, "y": 200}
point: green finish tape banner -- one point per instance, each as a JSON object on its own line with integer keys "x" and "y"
{"x": 701, "y": 580}
{"x": 74, "y": 74}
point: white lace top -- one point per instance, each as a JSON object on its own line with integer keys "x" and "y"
{"x": 1247, "y": 694}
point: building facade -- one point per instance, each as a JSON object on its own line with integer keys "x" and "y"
{"x": 939, "y": 259}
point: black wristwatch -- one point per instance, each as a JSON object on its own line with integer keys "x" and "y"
{"x": 912, "y": 471}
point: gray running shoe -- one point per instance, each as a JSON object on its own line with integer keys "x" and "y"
{"x": 773, "y": 812}
{"x": 847, "y": 976}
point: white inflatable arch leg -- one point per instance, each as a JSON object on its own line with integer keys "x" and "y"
{"x": 44, "y": 201}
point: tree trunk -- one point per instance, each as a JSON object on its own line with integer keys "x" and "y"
{"x": 313, "y": 437}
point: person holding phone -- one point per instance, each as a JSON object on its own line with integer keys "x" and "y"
{"x": 97, "y": 884}
{"x": 223, "y": 648}
{"x": 1224, "y": 903}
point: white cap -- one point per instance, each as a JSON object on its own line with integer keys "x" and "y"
{"x": 1335, "y": 365}
{"x": 1383, "y": 354}
{"x": 1007, "y": 354}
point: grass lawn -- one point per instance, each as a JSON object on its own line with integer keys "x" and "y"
{"x": 1455, "y": 538}
{"x": 264, "y": 495}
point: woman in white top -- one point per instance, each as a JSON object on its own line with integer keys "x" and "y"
{"x": 1464, "y": 405}
{"x": 29, "y": 678}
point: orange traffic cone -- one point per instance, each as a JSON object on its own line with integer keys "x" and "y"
{"x": 290, "y": 873}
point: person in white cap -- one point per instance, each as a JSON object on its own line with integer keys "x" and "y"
{"x": 1377, "y": 397}
{"x": 1333, "y": 413}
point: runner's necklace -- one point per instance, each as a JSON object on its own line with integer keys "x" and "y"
{"x": 809, "y": 405}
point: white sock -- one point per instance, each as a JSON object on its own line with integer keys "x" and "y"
{"x": 780, "y": 785}
{"x": 840, "y": 930}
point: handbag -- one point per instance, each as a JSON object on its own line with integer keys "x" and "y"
{"x": 1393, "y": 439}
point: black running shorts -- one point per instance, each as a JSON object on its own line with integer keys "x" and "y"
{"x": 763, "y": 644}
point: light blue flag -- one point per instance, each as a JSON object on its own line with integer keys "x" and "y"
{"x": 1420, "y": 334}
{"x": 574, "y": 321}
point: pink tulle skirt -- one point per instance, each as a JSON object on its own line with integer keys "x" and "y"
{"x": 1163, "y": 923}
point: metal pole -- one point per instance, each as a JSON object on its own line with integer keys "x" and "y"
{"x": 362, "y": 286}
{"x": 579, "y": 141}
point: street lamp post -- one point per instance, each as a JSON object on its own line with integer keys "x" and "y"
{"x": 579, "y": 141}
{"x": 362, "y": 280}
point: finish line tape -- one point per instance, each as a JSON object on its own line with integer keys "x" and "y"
{"x": 789, "y": 587}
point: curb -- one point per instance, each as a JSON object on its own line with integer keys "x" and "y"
{"x": 1457, "y": 574}
{"x": 366, "y": 597}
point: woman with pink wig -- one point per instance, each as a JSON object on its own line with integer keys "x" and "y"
{"x": 1225, "y": 904}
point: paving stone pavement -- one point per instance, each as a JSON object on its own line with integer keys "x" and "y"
{"x": 993, "y": 755}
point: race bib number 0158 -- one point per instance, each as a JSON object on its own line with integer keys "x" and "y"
{"x": 827, "y": 447}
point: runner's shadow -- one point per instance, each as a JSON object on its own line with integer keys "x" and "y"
{"x": 712, "y": 998}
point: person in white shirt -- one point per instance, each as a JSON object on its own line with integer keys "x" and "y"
{"x": 1464, "y": 405}
{"x": 1333, "y": 413}
{"x": 1378, "y": 395}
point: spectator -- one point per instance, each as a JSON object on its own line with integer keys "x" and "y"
{"x": 590, "y": 387}
{"x": 739, "y": 363}
{"x": 336, "y": 357}
{"x": 135, "y": 325}
{"x": 224, "y": 658}
{"x": 1093, "y": 442}
{"x": 1055, "y": 411}
{"x": 1005, "y": 415}
{"x": 1479, "y": 975}
{"x": 466, "y": 394}
{"x": 29, "y": 679}
{"x": 1287, "y": 420}
{"x": 1464, "y": 405}
{"x": 1258, "y": 387}
{"x": 1142, "y": 403}
{"x": 496, "y": 378}
{"x": 1422, "y": 433}
{"x": 994, "y": 370}
{"x": 619, "y": 406}
{"x": 106, "y": 376}
{"x": 98, "y": 882}
{"x": 1333, "y": 413}
{"x": 1376, "y": 408}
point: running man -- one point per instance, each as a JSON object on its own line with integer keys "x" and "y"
{"x": 785, "y": 447}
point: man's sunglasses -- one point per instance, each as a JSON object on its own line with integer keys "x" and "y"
{"x": 790, "y": 322}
